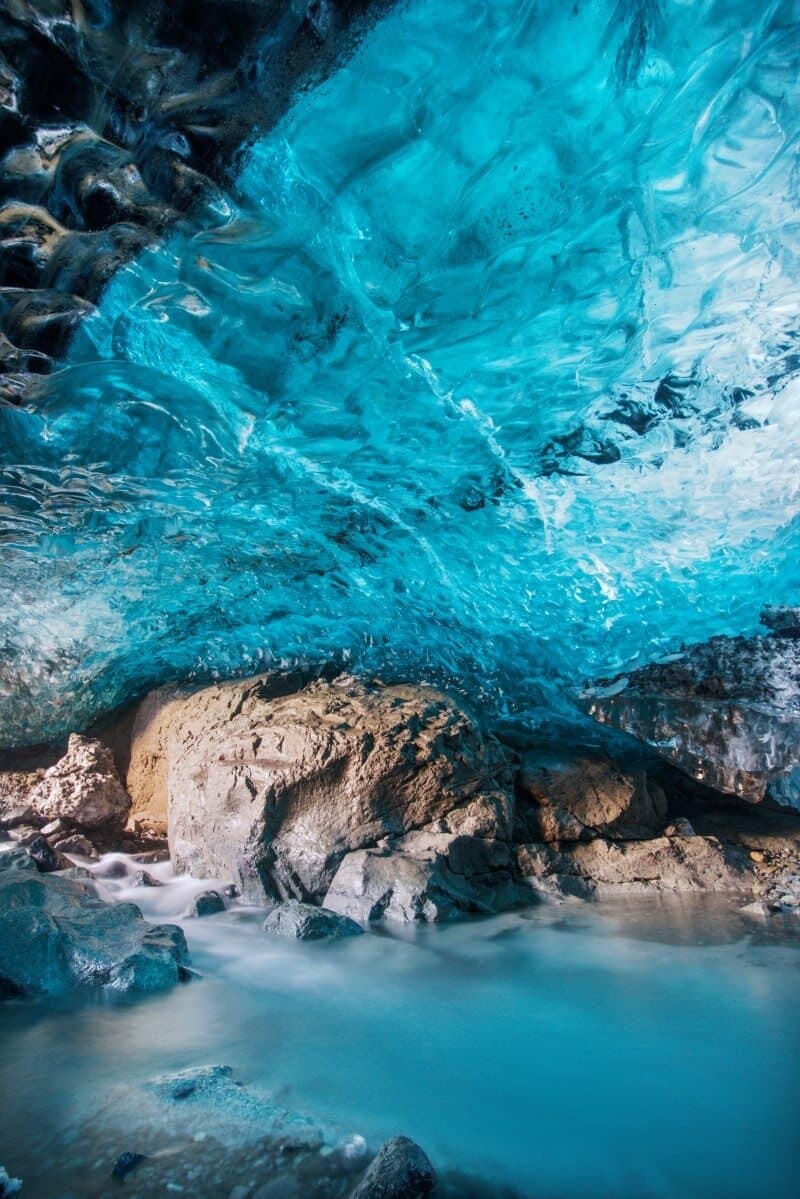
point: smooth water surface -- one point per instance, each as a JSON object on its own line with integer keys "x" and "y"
{"x": 583, "y": 1053}
{"x": 489, "y": 375}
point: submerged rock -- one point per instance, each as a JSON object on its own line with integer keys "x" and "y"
{"x": 399, "y": 1170}
{"x": 56, "y": 934}
{"x": 275, "y": 789}
{"x": 726, "y": 711}
{"x": 125, "y": 1163}
{"x": 304, "y": 922}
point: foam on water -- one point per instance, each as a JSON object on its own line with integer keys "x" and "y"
{"x": 492, "y": 377}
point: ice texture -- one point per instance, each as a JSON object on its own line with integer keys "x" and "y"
{"x": 492, "y": 378}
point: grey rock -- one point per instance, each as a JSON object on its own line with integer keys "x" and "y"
{"x": 304, "y": 922}
{"x": 143, "y": 878}
{"x": 606, "y": 869}
{"x": 681, "y": 827}
{"x": 77, "y": 844}
{"x": 83, "y": 788}
{"x": 726, "y": 712}
{"x": 47, "y": 858}
{"x": 275, "y": 789}
{"x": 782, "y": 621}
{"x": 125, "y": 1163}
{"x": 56, "y": 935}
{"x": 585, "y": 798}
{"x": 426, "y": 877}
{"x": 399, "y": 1170}
{"x": 209, "y": 903}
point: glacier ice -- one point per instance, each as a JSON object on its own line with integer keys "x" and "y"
{"x": 490, "y": 377}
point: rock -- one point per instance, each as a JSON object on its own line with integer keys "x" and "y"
{"x": 231, "y": 891}
{"x": 304, "y": 922}
{"x": 83, "y": 788}
{"x": 125, "y": 1163}
{"x": 603, "y": 869}
{"x": 586, "y": 798}
{"x": 8, "y": 1186}
{"x": 275, "y": 788}
{"x": 400, "y": 1170}
{"x": 42, "y": 853}
{"x": 15, "y": 797}
{"x": 425, "y": 878}
{"x": 726, "y": 712}
{"x": 76, "y": 844}
{"x": 681, "y": 827}
{"x": 143, "y": 878}
{"x": 783, "y": 622}
{"x": 209, "y": 903}
{"x": 56, "y": 934}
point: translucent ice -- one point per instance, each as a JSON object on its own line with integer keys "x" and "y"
{"x": 492, "y": 378}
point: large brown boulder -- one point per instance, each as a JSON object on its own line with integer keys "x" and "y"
{"x": 586, "y": 798}
{"x": 274, "y": 790}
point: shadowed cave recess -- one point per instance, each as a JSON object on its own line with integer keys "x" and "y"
{"x": 480, "y": 367}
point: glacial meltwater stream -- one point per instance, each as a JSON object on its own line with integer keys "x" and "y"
{"x": 572, "y": 1053}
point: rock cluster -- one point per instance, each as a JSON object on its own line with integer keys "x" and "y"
{"x": 56, "y": 934}
{"x": 122, "y": 119}
{"x": 69, "y": 807}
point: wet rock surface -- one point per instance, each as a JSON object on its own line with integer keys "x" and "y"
{"x": 120, "y": 120}
{"x": 725, "y": 711}
{"x": 400, "y": 1170}
{"x": 304, "y": 922}
{"x": 56, "y": 934}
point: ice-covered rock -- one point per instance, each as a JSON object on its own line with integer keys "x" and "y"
{"x": 56, "y": 934}
{"x": 725, "y": 711}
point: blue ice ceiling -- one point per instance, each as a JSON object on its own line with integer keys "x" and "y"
{"x": 490, "y": 376}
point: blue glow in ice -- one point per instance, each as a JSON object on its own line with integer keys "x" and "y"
{"x": 493, "y": 377}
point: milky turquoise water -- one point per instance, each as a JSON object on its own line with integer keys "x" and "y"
{"x": 489, "y": 375}
{"x": 575, "y": 1053}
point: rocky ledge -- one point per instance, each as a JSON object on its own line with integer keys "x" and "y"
{"x": 726, "y": 711}
{"x": 341, "y": 802}
{"x": 56, "y": 935}
{"x": 120, "y": 120}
